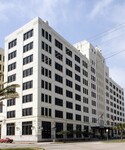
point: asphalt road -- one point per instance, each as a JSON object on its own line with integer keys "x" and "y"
{"x": 69, "y": 146}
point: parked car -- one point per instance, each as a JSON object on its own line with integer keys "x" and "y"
{"x": 6, "y": 140}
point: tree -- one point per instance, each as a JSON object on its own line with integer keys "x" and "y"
{"x": 121, "y": 128}
{"x": 8, "y": 91}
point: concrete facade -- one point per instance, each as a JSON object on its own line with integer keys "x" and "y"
{"x": 61, "y": 87}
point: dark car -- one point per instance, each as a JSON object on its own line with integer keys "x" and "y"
{"x": 6, "y": 140}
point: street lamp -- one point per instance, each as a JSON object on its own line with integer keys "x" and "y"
{"x": 107, "y": 130}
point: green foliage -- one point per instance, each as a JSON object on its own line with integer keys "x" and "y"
{"x": 121, "y": 128}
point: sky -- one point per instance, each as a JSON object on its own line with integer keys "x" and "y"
{"x": 101, "y": 22}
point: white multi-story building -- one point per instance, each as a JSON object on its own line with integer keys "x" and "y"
{"x": 61, "y": 87}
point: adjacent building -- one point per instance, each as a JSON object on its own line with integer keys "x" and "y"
{"x": 62, "y": 87}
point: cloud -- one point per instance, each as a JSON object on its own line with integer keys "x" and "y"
{"x": 55, "y": 11}
{"x": 99, "y": 8}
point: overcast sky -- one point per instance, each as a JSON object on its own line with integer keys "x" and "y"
{"x": 101, "y": 22}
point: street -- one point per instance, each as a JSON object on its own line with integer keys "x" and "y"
{"x": 68, "y": 146}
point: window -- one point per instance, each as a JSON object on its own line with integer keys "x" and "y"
{"x": 58, "y": 114}
{"x": 28, "y": 85}
{"x": 46, "y": 60}
{"x": 27, "y": 98}
{"x": 77, "y": 58}
{"x": 1, "y": 107}
{"x": 27, "y": 35}
{"x": 27, "y": 59}
{"x": 58, "y": 55}
{"x": 12, "y": 66}
{"x": 69, "y": 105}
{"x": 77, "y": 97}
{"x": 77, "y": 87}
{"x": 77, "y": 77}
{"x": 69, "y": 94}
{"x": 46, "y": 98}
{"x": 11, "y": 78}
{"x": 68, "y": 52}
{"x": 85, "y": 82}
{"x": 27, "y": 72}
{"x": 86, "y": 119}
{"x": 78, "y": 107}
{"x": 85, "y": 100}
{"x": 12, "y": 55}
{"x": 68, "y": 62}
{"x": 46, "y": 47}
{"x": 69, "y": 116}
{"x": 58, "y": 102}
{"x": 70, "y": 128}
{"x": 84, "y": 64}
{"x": 69, "y": 83}
{"x": 93, "y": 103}
{"x": 68, "y": 72}
{"x": 46, "y": 112}
{"x": 94, "y": 111}
{"x": 58, "y": 78}
{"x": 85, "y": 73}
{"x": 46, "y": 132}
{"x": 26, "y": 128}
{"x": 28, "y": 47}
{"x": 58, "y": 44}
{"x": 59, "y": 127}
{"x": 12, "y": 44}
{"x": 46, "y": 35}
{"x": 11, "y": 102}
{"x": 46, "y": 85}
{"x": 10, "y": 128}
{"x": 85, "y": 91}
{"x": 45, "y": 72}
{"x": 11, "y": 114}
{"x": 85, "y": 109}
{"x": 58, "y": 90}
{"x": 78, "y": 117}
{"x": 77, "y": 68}
{"x": 58, "y": 67}
{"x": 27, "y": 111}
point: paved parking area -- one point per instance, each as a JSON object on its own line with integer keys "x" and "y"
{"x": 69, "y": 146}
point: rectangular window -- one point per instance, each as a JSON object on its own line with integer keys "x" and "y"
{"x": 69, "y": 94}
{"x": 12, "y": 55}
{"x": 28, "y": 34}
{"x": 46, "y": 60}
{"x": 46, "y": 112}
{"x": 77, "y": 87}
{"x": 68, "y": 52}
{"x": 12, "y": 44}
{"x": 11, "y": 102}
{"x": 77, "y": 68}
{"x": 68, "y": 62}
{"x": 58, "y": 44}
{"x": 12, "y": 66}
{"x": 58, "y": 102}
{"x": 85, "y": 109}
{"x": 77, "y": 77}
{"x": 28, "y": 85}
{"x": 28, "y": 47}
{"x": 58, "y": 55}
{"x": 27, "y": 111}
{"x": 27, "y": 59}
{"x": 68, "y": 83}
{"x": 45, "y": 72}
{"x": 78, "y": 107}
{"x": 58, "y": 67}
{"x": 27, "y": 98}
{"x": 58, "y": 78}
{"x": 12, "y": 78}
{"x": 27, "y": 72}
{"x": 27, "y": 128}
{"x": 69, "y": 116}
{"x": 58, "y": 114}
{"x": 69, "y": 105}
{"x": 77, "y": 97}
{"x": 1, "y": 107}
{"x": 68, "y": 72}
{"x": 11, "y": 114}
{"x": 77, "y": 58}
{"x": 58, "y": 90}
{"x": 78, "y": 117}
{"x": 46, "y": 98}
{"x": 84, "y": 64}
{"x": 46, "y": 85}
{"x": 10, "y": 128}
